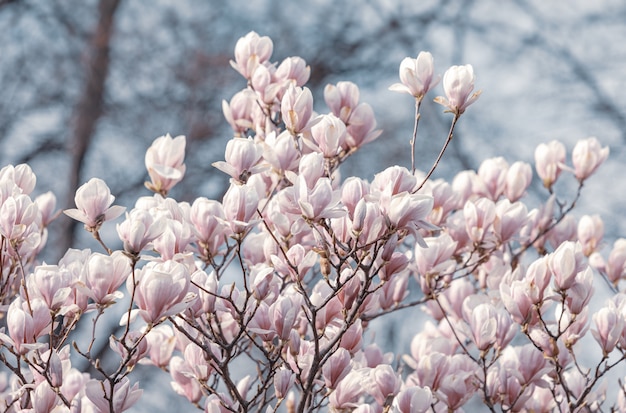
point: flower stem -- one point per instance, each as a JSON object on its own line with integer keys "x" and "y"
{"x": 443, "y": 149}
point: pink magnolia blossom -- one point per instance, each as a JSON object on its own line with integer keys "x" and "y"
{"x": 21, "y": 327}
{"x": 139, "y": 229}
{"x": 283, "y": 380}
{"x": 318, "y": 202}
{"x": 208, "y": 219}
{"x": 590, "y": 232}
{"x": 580, "y": 292}
{"x": 251, "y": 51}
{"x": 240, "y": 205}
{"x": 510, "y": 218}
{"x": 162, "y": 290}
{"x": 283, "y": 315}
{"x": 161, "y": 343}
{"x": 124, "y": 396}
{"x": 45, "y": 399}
{"x": 21, "y": 175}
{"x": 518, "y": 178}
{"x": 263, "y": 83}
{"x": 104, "y": 274}
{"x": 328, "y": 135}
{"x": 459, "y": 385}
{"x": 93, "y": 201}
{"x": 362, "y": 128}
{"x": 417, "y": 75}
{"x": 458, "y": 84}
{"x": 384, "y": 383}
{"x": 281, "y": 152}
{"x": 549, "y": 161}
{"x": 18, "y": 218}
{"x": 566, "y": 262}
{"x": 293, "y": 70}
{"x": 342, "y": 99}
{"x": 609, "y": 328}
{"x": 183, "y": 381}
{"x": 165, "y": 163}
{"x": 46, "y": 204}
{"x": 413, "y": 399}
{"x": 587, "y": 156}
{"x": 492, "y": 176}
{"x": 616, "y": 263}
{"x": 573, "y": 327}
{"x": 238, "y": 112}
{"x": 564, "y": 231}
{"x": 408, "y": 212}
{"x": 483, "y": 326}
{"x": 242, "y": 158}
{"x": 353, "y": 190}
{"x": 436, "y": 258}
{"x": 393, "y": 180}
{"x": 296, "y": 109}
{"x": 519, "y": 297}
{"x": 336, "y": 368}
{"x": 479, "y": 217}
{"x": 445, "y": 200}
{"x": 51, "y": 283}
{"x": 347, "y": 392}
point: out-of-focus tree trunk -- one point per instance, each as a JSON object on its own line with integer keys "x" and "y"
{"x": 89, "y": 107}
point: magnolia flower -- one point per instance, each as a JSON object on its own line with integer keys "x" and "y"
{"x": 21, "y": 175}
{"x": 124, "y": 396}
{"x": 590, "y": 232}
{"x": 549, "y": 160}
{"x": 238, "y": 111}
{"x": 139, "y": 229}
{"x": 162, "y": 290}
{"x": 616, "y": 263}
{"x": 413, "y": 399}
{"x": 94, "y": 200}
{"x": 164, "y": 161}
{"x": 242, "y": 158}
{"x": 293, "y": 69}
{"x": 283, "y": 380}
{"x": 328, "y": 135}
{"x": 250, "y": 51}
{"x": 458, "y": 83}
{"x": 103, "y": 276}
{"x": 342, "y": 99}
{"x": 296, "y": 108}
{"x": 587, "y": 157}
{"x": 416, "y": 75}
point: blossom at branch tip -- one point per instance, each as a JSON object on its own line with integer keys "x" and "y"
{"x": 590, "y": 231}
{"x": 587, "y": 156}
{"x": 93, "y": 200}
{"x": 549, "y": 161}
{"x": 251, "y": 51}
{"x": 124, "y": 396}
{"x": 241, "y": 159}
{"x": 296, "y": 108}
{"x": 413, "y": 399}
{"x": 293, "y": 70}
{"x": 104, "y": 274}
{"x": 416, "y": 76}
{"x": 458, "y": 84}
{"x": 162, "y": 290}
{"x": 21, "y": 175}
{"x": 165, "y": 163}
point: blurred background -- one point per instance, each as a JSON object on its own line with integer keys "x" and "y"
{"x": 87, "y": 85}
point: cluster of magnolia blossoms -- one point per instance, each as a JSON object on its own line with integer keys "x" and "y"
{"x": 261, "y": 302}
